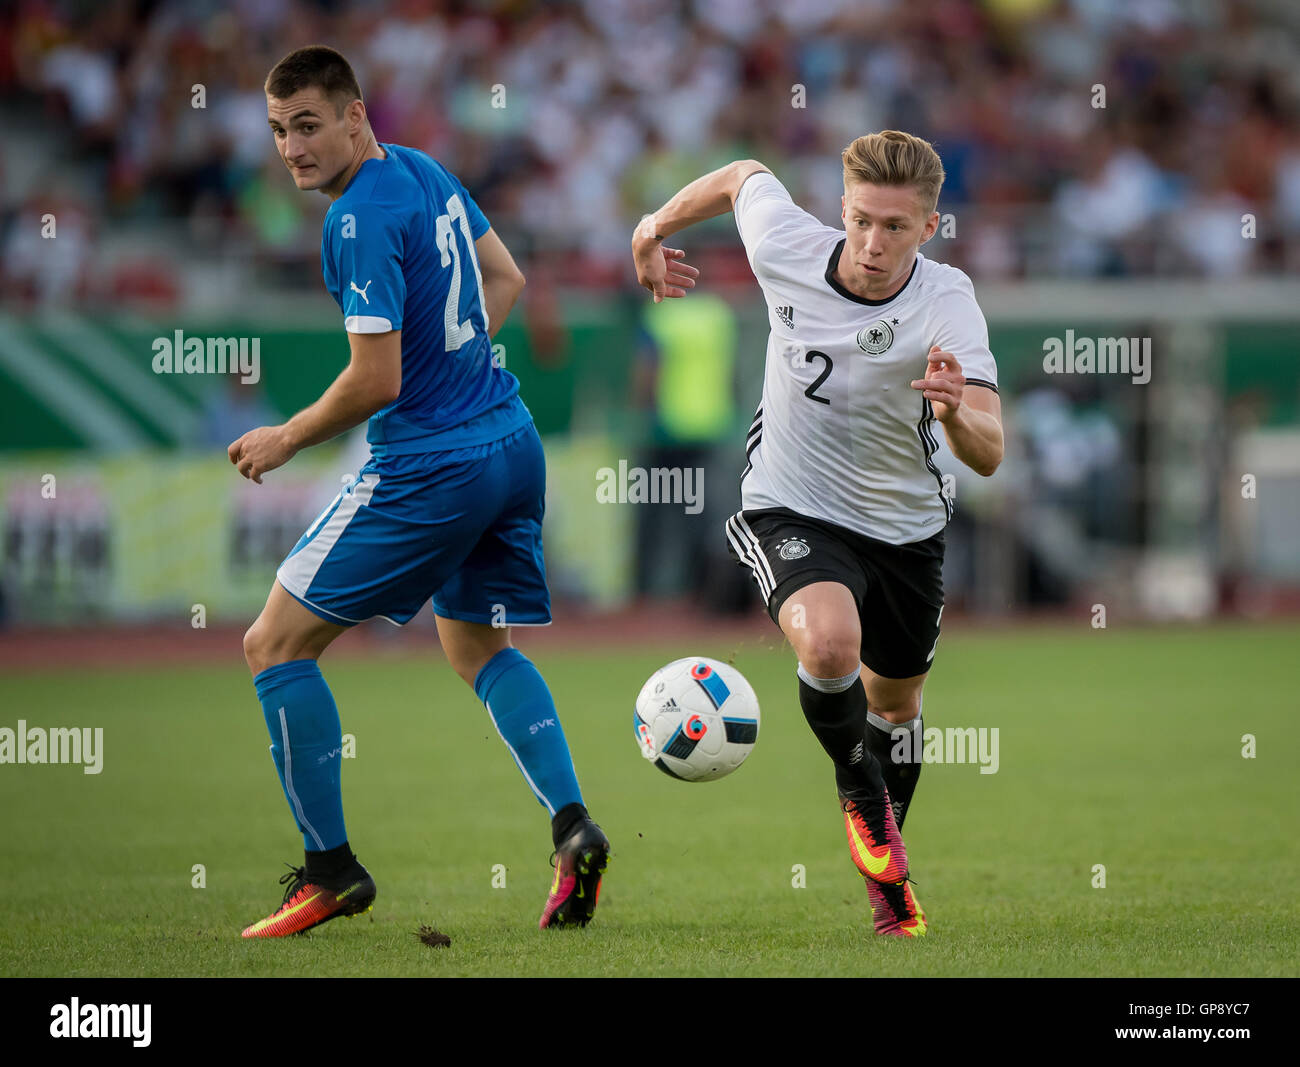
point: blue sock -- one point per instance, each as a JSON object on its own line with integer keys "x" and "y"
{"x": 521, "y": 706}
{"x": 307, "y": 746}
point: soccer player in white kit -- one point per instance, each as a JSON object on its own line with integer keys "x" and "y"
{"x": 842, "y": 507}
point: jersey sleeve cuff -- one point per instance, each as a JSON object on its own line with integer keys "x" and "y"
{"x": 367, "y": 324}
{"x": 981, "y": 382}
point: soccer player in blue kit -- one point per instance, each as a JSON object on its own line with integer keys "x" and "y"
{"x": 449, "y": 506}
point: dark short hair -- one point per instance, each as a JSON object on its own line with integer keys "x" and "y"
{"x": 316, "y": 66}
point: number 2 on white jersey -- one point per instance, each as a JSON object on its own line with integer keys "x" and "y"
{"x": 457, "y": 332}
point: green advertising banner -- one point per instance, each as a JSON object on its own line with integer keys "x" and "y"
{"x": 160, "y": 535}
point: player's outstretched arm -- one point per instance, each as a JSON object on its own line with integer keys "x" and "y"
{"x": 503, "y": 281}
{"x": 372, "y": 380}
{"x": 663, "y": 270}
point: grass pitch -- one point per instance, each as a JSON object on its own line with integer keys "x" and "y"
{"x": 1118, "y": 748}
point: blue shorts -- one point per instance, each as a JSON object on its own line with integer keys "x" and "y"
{"x": 463, "y": 527}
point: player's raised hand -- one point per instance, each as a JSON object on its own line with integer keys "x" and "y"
{"x": 259, "y": 451}
{"x": 664, "y": 271}
{"x": 943, "y": 383}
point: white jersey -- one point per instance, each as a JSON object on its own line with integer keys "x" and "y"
{"x": 840, "y": 434}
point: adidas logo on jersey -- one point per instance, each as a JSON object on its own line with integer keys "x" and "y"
{"x": 786, "y": 315}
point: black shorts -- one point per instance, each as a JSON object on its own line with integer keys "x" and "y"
{"x": 898, "y": 588}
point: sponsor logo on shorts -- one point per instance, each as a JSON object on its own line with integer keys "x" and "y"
{"x": 793, "y": 548}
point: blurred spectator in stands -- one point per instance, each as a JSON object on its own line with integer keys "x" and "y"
{"x": 1210, "y": 228}
{"x": 590, "y": 102}
{"x": 47, "y": 250}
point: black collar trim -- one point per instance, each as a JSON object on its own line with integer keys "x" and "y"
{"x": 833, "y": 282}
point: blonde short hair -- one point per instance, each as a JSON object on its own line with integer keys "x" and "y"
{"x": 892, "y": 157}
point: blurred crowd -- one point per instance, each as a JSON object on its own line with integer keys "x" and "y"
{"x": 1081, "y": 138}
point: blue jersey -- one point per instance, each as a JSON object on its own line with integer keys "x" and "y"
{"x": 397, "y": 253}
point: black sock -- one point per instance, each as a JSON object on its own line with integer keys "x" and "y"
{"x": 331, "y": 863}
{"x": 839, "y": 720}
{"x": 565, "y": 821}
{"x": 900, "y": 761}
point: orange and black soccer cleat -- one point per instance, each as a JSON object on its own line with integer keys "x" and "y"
{"x": 874, "y": 840}
{"x": 310, "y": 903}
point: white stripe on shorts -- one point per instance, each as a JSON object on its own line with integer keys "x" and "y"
{"x": 748, "y": 549}
{"x": 298, "y": 571}
{"x": 321, "y": 517}
{"x": 758, "y": 549}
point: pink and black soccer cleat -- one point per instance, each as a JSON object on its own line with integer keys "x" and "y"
{"x": 579, "y": 862}
{"x": 895, "y": 910}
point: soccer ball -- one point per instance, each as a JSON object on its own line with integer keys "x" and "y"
{"x": 696, "y": 719}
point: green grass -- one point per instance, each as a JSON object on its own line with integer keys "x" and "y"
{"x": 1116, "y": 747}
